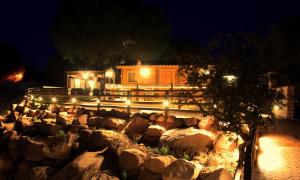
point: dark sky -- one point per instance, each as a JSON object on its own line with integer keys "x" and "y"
{"x": 24, "y": 24}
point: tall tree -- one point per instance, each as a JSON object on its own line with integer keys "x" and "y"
{"x": 90, "y": 32}
{"x": 234, "y": 81}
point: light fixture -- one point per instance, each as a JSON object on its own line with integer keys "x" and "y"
{"x": 109, "y": 73}
{"x": 74, "y": 100}
{"x": 127, "y": 102}
{"x": 98, "y": 101}
{"x": 215, "y": 106}
{"x": 276, "y": 107}
{"x": 85, "y": 75}
{"x": 166, "y": 103}
{"x": 54, "y": 99}
{"x": 40, "y": 99}
{"x": 230, "y": 78}
{"x": 145, "y": 72}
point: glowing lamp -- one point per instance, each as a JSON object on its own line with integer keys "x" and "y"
{"x": 276, "y": 107}
{"x": 40, "y": 99}
{"x": 166, "y": 103}
{"x": 54, "y": 99}
{"x": 215, "y": 106}
{"x": 109, "y": 73}
{"x": 230, "y": 78}
{"x": 85, "y": 75}
{"x": 98, "y": 101}
{"x": 145, "y": 72}
{"x": 127, "y": 102}
{"x": 74, "y": 100}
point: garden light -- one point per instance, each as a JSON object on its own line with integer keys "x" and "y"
{"x": 40, "y": 99}
{"x": 166, "y": 103}
{"x": 54, "y": 99}
{"x": 127, "y": 102}
{"x": 74, "y": 100}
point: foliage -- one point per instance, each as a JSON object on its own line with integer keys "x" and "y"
{"x": 88, "y": 32}
{"x": 234, "y": 102}
{"x": 186, "y": 156}
{"x": 124, "y": 175}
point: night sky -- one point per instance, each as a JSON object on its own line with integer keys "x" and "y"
{"x": 25, "y": 24}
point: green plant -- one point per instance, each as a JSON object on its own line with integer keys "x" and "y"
{"x": 164, "y": 150}
{"x": 186, "y": 156}
{"x": 124, "y": 175}
{"x": 61, "y": 133}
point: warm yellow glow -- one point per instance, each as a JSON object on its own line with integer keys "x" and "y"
{"x": 276, "y": 107}
{"x": 270, "y": 157}
{"x": 206, "y": 72}
{"x": 74, "y": 100}
{"x": 91, "y": 84}
{"x": 236, "y": 154}
{"x": 32, "y": 96}
{"x": 145, "y": 72}
{"x": 16, "y": 76}
{"x": 215, "y": 106}
{"x": 22, "y": 104}
{"x": 85, "y": 75}
{"x": 127, "y": 102}
{"x": 77, "y": 83}
{"x": 166, "y": 103}
{"x": 91, "y": 93}
{"x": 98, "y": 101}
{"x": 230, "y": 78}
{"x": 54, "y": 99}
{"x": 40, "y": 99}
{"x": 109, "y": 73}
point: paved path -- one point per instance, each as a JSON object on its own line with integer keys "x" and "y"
{"x": 279, "y": 153}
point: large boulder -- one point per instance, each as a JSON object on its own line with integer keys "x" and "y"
{"x": 6, "y": 163}
{"x": 132, "y": 159}
{"x": 157, "y": 164}
{"x": 27, "y": 171}
{"x": 225, "y": 142}
{"x": 33, "y": 149}
{"x": 153, "y": 116}
{"x": 113, "y": 123}
{"x": 182, "y": 170}
{"x": 155, "y": 131}
{"x": 85, "y": 166}
{"x": 99, "y": 139}
{"x": 137, "y": 125}
{"x": 95, "y": 121}
{"x": 173, "y": 122}
{"x": 207, "y": 123}
{"x": 8, "y": 126}
{"x": 190, "y": 122}
{"x": 59, "y": 147}
{"x": 190, "y": 139}
{"x": 220, "y": 174}
{"x": 81, "y": 120}
{"x": 49, "y": 128}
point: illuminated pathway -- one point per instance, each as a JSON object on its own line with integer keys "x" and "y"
{"x": 279, "y": 153}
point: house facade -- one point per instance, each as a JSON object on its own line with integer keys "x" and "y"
{"x": 151, "y": 76}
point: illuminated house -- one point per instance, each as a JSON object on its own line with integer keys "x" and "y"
{"x": 147, "y": 76}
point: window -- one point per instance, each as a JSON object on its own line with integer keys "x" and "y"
{"x": 132, "y": 76}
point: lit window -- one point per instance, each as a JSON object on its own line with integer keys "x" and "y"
{"x": 77, "y": 83}
{"x": 132, "y": 76}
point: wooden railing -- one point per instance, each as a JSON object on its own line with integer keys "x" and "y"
{"x": 135, "y": 99}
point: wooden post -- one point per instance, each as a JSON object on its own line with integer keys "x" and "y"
{"x": 128, "y": 105}
{"x": 166, "y": 107}
{"x": 99, "y": 103}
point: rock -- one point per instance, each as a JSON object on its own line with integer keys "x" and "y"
{"x": 26, "y": 121}
{"x": 157, "y": 164}
{"x": 104, "y": 176}
{"x": 173, "y": 122}
{"x": 138, "y": 125}
{"x": 189, "y": 139}
{"x": 160, "y": 119}
{"x": 19, "y": 109}
{"x": 59, "y": 147}
{"x": 119, "y": 114}
{"x": 55, "y": 109}
{"x": 182, "y": 170}
{"x": 225, "y": 142}
{"x": 145, "y": 174}
{"x": 220, "y": 174}
{"x": 27, "y": 171}
{"x": 207, "y": 123}
{"x": 85, "y": 166}
{"x": 62, "y": 108}
{"x": 81, "y": 111}
{"x": 113, "y": 123}
{"x": 8, "y": 126}
{"x": 132, "y": 159}
{"x": 83, "y": 119}
{"x": 6, "y": 163}
{"x": 61, "y": 120}
{"x": 117, "y": 142}
{"x": 33, "y": 150}
{"x": 189, "y": 122}
{"x": 155, "y": 131}
{"x": 153, "y": 116}
{"x": 95, "y": 121}
{"x": 49, "y": 129}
